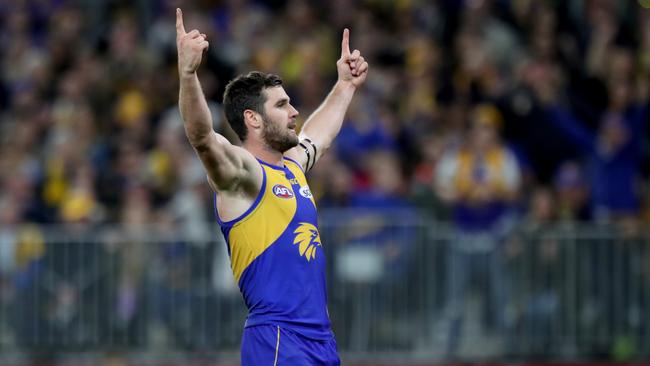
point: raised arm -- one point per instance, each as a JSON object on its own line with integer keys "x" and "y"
{"x": 324, "y": 124}
{"x": 571, "y": 127}
{"x": 229, "y": 167}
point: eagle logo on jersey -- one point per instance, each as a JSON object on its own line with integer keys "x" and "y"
{"x": 308, "y": 239}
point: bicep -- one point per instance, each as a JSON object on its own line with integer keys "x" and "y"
{"x": 228, "y": 166}
{"x": 306, "y": 153}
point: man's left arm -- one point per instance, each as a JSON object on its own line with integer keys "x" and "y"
{"x": 324, "y": 124}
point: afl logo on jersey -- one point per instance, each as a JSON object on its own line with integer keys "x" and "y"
{"x": 281, "y": 191}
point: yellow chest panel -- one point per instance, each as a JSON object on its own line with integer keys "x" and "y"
{"x": 270, "y": 216}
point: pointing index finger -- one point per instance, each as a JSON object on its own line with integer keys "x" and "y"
{"x": 180, "y": 28}
{"x": 345, "y": 43}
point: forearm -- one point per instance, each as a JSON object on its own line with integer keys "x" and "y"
{"x": 571, "y": 127}
{"x": 194, "y": 110}
{"x": 325, "y": 123}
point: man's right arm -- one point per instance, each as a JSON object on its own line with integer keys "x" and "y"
{"x": 229, "y": 167}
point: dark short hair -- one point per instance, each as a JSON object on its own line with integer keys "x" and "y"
{"x": 245, "y": 92}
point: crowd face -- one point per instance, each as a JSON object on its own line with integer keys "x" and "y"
{"x": 483, "y": 136}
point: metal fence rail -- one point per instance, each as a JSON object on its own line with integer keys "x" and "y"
{"x": 400, "y": 287}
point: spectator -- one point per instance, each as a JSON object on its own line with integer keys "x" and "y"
{"x": 614, "y": 150}
{"x": 573, "y": 193}
{"x": 534, "y": 253}
{"x": 480, "y": 181}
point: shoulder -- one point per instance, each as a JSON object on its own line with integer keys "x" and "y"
{"x": 294, "y": 166}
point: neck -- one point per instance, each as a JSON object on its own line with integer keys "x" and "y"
{"x": 261, "y": 151}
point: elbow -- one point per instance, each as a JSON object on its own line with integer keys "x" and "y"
{"x": 200, "y": 142}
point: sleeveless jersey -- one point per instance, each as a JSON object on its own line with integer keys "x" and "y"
{"x": 276, "y": 255}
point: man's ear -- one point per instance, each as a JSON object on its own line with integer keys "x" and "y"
{"x": 252, "y": 119}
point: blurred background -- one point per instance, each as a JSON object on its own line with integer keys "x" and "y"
{"x": 487, "y": 200}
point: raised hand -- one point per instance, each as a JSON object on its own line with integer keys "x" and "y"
{"x": 351, "y": 67}
{"x": 190, "y": 46}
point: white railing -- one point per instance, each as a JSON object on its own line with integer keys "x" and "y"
{"x": 401, "y": 287}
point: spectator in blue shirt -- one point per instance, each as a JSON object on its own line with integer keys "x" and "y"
{"x": 614, "y": 150}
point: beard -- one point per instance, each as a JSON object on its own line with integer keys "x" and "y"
{"x": 278, "y": 138}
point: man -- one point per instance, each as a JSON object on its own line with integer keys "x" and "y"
{"x": 263, "y": 202}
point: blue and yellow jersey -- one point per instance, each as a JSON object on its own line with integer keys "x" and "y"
{"x": 276, "y": 255}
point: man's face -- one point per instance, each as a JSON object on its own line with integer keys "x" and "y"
{"x": 279, "y": 128}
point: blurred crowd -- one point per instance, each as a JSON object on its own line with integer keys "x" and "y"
{"x": 496, "y": 116}
{"x": 470, "y": 104}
